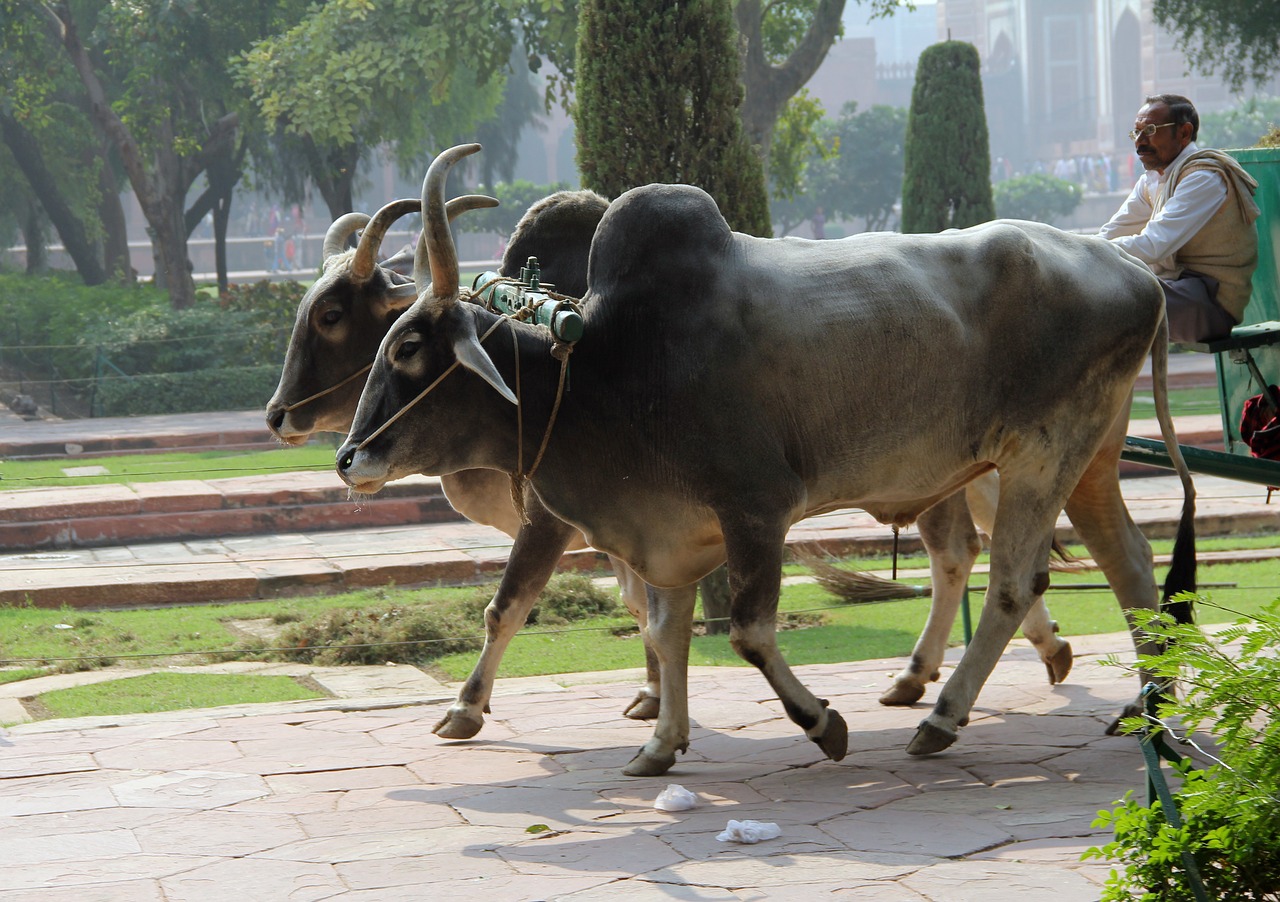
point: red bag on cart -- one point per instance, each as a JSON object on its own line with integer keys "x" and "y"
{"x": 1260, "y": 428}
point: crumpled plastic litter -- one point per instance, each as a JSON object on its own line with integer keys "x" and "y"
{"x": 749, "y": 832}
{"x": 675, "y": 798}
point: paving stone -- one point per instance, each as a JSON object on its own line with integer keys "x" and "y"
{"x": 225, "y": 834}
{"x": 161, "y": 754}
{"x": 88, "y": 872}
{"x": 189, "y": 789}
{"x": 890, "y": 829}
{"x": 973, "y": 881}
{"x": 253, "y": 879}
{"x": 465, "y": 841}
{"x": 86, "y": 844}
{"x": 122, "y": 891}
{"x": 602, "y": 855}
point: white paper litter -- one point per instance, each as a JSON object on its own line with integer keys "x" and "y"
{"x": 749, "y": 832}
{"x": 675, "y": 798}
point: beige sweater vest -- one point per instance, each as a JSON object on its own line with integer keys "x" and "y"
{"x": 1227, "y": 247}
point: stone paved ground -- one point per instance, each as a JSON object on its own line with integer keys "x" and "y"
{"x": 356, "y": 799}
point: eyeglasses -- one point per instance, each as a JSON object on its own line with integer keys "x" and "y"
{"x": 1148, "y": 131}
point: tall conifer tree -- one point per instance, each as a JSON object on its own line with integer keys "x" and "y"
{"x": 946, "y": 161}
{"x": 657, "y": 101}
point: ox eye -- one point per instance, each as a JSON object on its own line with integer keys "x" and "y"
{"x": 331, "y": 316}
{"x": 407, "y": 348}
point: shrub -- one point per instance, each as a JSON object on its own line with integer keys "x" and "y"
{"x": 1231, "y": 809}
{"x": 1039, "y": 197}
{"x": 946, "y": 181}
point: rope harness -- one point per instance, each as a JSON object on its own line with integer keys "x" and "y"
{"x": 560, "y": 350}
{"x": 331, "y": 389}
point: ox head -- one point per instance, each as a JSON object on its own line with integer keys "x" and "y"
{"x": 340, "y": 322}
{"x": 434, "y": 337}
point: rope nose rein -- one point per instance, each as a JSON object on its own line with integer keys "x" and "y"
{"x": 560, "y": 350}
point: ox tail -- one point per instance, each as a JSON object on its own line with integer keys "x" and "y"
{"x": 1182, "y": 567}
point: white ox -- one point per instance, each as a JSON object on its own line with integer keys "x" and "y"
{"x": 730, "y": 386}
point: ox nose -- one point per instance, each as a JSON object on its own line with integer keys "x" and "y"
{"x": 346, "y": 457}
{"x": 275, "y": 420}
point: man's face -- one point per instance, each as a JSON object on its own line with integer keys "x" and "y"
{"x": 1158, "y": 150}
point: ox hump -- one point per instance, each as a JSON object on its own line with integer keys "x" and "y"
{"x": 670, "y": 232}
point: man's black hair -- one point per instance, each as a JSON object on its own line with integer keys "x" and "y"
{"x": 1180, "y": 108}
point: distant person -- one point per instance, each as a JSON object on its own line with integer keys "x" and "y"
{"x": 1190, "y": 219}
{"x": 819, "y": 224}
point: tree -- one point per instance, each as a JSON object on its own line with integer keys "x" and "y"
{"x": 1241, "y": 126}
{"x": 783, "y": 44}
{"x": 353, "y": 76}
{"x": 947, "y": 162}
{"x": 1039, "y": 197}
{"x": 658, "y": 97}
{"x": 1240, "y": 38}
{"x": 154, "y": 77}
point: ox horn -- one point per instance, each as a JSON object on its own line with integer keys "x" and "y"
{"x": 363, "y": 263}
{"x": 335, "y": 240}
{"x": 441, "y": 268}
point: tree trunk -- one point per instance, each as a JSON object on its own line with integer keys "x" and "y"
{"x": 116, "y": 259}
{"x": 168, "y": 241}
{"x": 34, "y": 239}
{"x": 714, "y": 590}
{"x": 44, "y": 186}
{"x": 334, "y": 173}
{"x": 768, "y": 88}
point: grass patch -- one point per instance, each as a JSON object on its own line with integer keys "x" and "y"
{"x": 21, "y": 673}
{"x": 1182, "y": 402}
{"x": 570, "y": 631}
{"x": 164, "y": 467}
{"x": 171, "y": 692}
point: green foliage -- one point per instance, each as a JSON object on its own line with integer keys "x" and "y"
{"x": 417, "y": 632}
{"x": 1243, "y": 125}
{"x": 1271, "y": 138}
{"x": 947, "y": 162}
{"x": 1230, "y": 810}
{"x": 658, "y": 100}
{"x": 172, "y": 692}
{"x": 1239, "y": 39}
{"x": 798, "y": 142}
{"x": 1039, "y": 197}
{"x": 128, "y": 350}
{"x": 516, "y": 197}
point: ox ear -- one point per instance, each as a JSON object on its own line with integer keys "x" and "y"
{"x": 474, "y": 357}
{"x": 395, "y": 300}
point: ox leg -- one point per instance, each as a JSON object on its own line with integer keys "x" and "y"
{"x": 634, "y": 594}
{"x": 537, "y": 549}
{"x": 1019, "y": 572}
{"x": 1039, "y": 627}
{"x": 953, "y": 545}
{"x": 1097, "y": 510}
{"x": 755, "y": 575}
{"x": 670, "y": 630}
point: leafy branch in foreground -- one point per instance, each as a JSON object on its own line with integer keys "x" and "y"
{"x": 1230, "y": 810}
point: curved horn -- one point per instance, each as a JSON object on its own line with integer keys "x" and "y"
{"x": 365, "y": 260}
{"x": 453, "y": 209}
{"x": 442, "y": 256}
{"x": 335, "y": 240}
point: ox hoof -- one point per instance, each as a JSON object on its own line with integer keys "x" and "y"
{"x": 1059, "y": 665}
{"x": 931, "y": 739}
{"x": 644, "y": 707}
{"x": 458, "y": 725}
{"x": 649, "y": 764}
{"x": 902, "y": 695}
{"x": 834, "y": 740}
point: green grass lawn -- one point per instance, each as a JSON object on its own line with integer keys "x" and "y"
{"x": 172, "y": 692}
{"x": 1182, "y": 402}
{"x": 162, "y": 467}
{"x": 848, "y": 632}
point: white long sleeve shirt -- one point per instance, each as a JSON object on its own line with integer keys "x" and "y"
{"x": 1155, "y": 240}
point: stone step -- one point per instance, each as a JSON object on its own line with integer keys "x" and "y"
{"x": 103, "y": 515}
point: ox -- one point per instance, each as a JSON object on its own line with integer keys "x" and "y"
{"x": 729, "y": 386}
{"x": 340, "y": 322}
{"x": 339, "y": 325}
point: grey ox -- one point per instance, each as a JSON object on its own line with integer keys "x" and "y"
{"x": 341, "y": 321}
{"x": 729, "y": 386}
